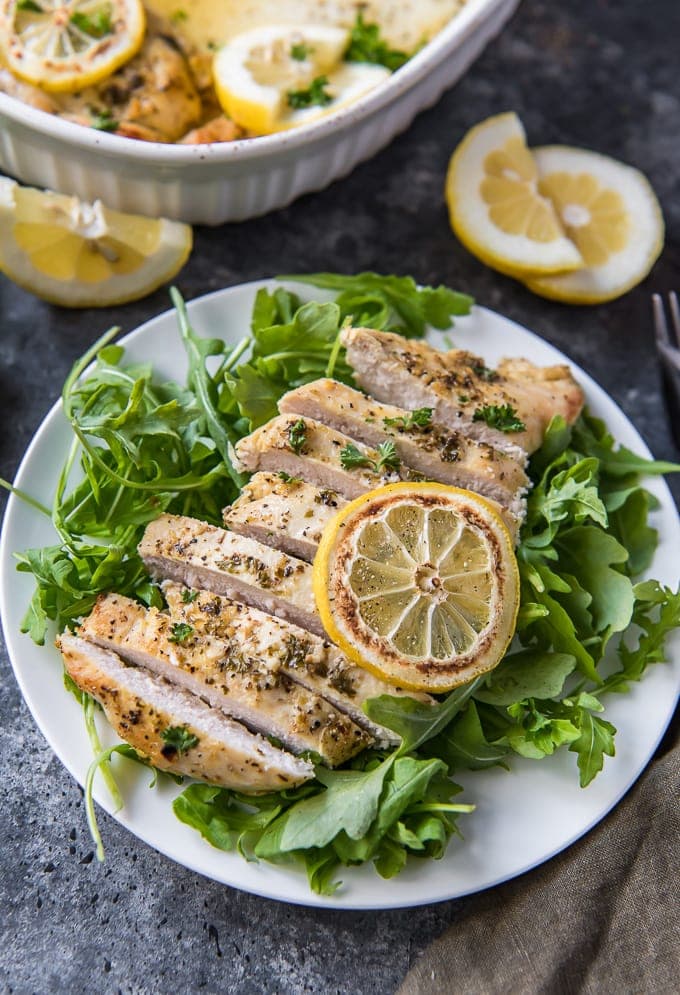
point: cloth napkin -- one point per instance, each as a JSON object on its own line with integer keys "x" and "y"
{"x": 603, "y": 917}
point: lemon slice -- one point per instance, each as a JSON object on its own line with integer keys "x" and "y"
{"x": 418, "y": 583}
{"x": 66, "y": 45}
{"x": 278, "y": 77}
{"x": 84, "y": 255}
{"x": 496, "y": 208}
{"x": 610, "y": 212}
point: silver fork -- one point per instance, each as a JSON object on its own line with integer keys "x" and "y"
{"x": 668, "y": 347}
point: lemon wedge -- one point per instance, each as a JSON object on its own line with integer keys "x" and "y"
{"x": 68, "y": 45}
{"x": 610, "y": 212}
{"x": 496, "y": 208}
{"x": 85, "y": 255}
{"x": 418, "y": 583}
{"x": 277, "y": 77}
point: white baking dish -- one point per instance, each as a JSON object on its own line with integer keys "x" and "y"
{"x": 211, "y": 184}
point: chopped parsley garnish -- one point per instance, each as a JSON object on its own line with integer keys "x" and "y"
{"x": 420, "y": 418}
{"x": 179, "y": 16}
{"x": 366, "y": 45}
{"x": 315, "y": 95}
{"x": 30, "y": 5}
{"x": 299, "y": 51}
{"x": 463, "y": 398}
{"x": 500, "y": 416}
{"x": 297, "y": 435}
{"x": 102, "y": 120}
{"x": 351, "y": 458}
{"x": 180, "y": 632}
{"x": 178, "y": 739}
{"x": 189, "y": 596}
{"x": 97, "y": 25}
{"x": 287, "y": 479}
{"x": 484, "y": 373}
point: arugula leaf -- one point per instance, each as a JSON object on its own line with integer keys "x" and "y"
{"x": 463, "y": 744}
{"x": 528, "y": 674}
{"x": 395, "y": 303}
{"x": 414, "y": 721}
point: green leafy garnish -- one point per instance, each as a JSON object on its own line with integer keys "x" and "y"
{"x": 299, "y": 51}
{"x": 420, "y": 418}
{"x": 351, "y": 457}
{"x": 31, "y": 6}
{"x": 179, "y": 16}
{"x": 188, "y": 596}
{"x": 500, "y": 416}
{"x": 484, "y": 373}
{"x": 180, "y": 632}
{"x": 178, "y": 739}
{"x": 366, "y": 45}
{"x": 314, "y": 95}
{"x": 288, "y": 479}
{"x": 102, "y": 120}
{"x": 297, "y": 435}
{"x": 98, "y": 24}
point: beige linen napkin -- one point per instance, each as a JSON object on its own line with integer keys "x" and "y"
{"x": 603, "y": 918}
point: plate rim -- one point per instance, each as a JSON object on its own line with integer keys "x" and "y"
{"x": 345, "y": 902}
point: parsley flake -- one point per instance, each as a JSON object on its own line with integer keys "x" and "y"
{"x": 420, "y": 418}
{"x": 500, "y": 416}
{"x": 297, "y": 435}
{"x": 484, "y": 373}
{"x": 30, "y": 5}
{"x": 299, "y": 51}
{"x": 366, "y": 45}
{"x": 352, "y": 458}
{"x": 96, "y": 25}
{"x": 287, "y": 479}
{"x": 180, "y": 632}
{"x": 189, "y": 596}
{"x": 315, "y": 95}
{"x": 102, "y": 120}
{"x": 178, "y": 739}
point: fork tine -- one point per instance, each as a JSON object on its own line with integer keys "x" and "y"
{"x": 660, "y": 323}
{"x": 675, "y": 315}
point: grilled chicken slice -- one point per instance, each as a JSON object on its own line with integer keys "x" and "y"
{"x": 319, "y": 464}
{"x": 436, "y": 452}
{"x": 246, "y": 686}
{"x": 200, "y": 555}
{"x": 141, "y": 707}
{"x": 283, "y": 512}
{"x": 300, "y": 656}
{"x": 460, "y": 389}
{"x": 303, "y": 447}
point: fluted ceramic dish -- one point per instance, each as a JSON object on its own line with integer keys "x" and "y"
{"x": 211, "y": 184}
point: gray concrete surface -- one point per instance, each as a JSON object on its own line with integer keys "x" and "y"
{"x": 596, "y": 73}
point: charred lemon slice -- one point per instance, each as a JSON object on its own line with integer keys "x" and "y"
{"x": 85, "y": 255}
{"x": 418, "y": 583}
{"x": 66, "y": 45}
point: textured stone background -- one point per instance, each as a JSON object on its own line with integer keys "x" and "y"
{"x": 588, "y": 72}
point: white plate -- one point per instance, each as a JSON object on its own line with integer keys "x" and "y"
{"x": 522, "y": 817}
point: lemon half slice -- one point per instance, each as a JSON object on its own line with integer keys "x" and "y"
{"x": 418, "y": 583}
{"x": 496, "y": 208}
{"x": 610, "y": 212}
{"x": 66, "y": 45}
{"x": 85, "y": 255}
{"x": 278, "y": 77}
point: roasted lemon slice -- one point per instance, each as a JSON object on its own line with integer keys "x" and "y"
{"x": 85, "y": 255}
{"x": 496, "y": 208}
{"x": 66, "y": 45}
{"x": 279, "y": 77}
{"x": 418, "y": 583}
{"x": 610, "y": 212}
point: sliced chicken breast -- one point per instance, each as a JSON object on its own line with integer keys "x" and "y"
{"x": 145, "y": 710}
{"x": 249, "y": 688}
{"x": 429, "y": 448}
{"x": 303, "y": 447}
{"x": 464, "y": 394}
{"x": 283, "y": 512}
{"x": 302, "y": 657}
{"x": 203, "y": 556}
